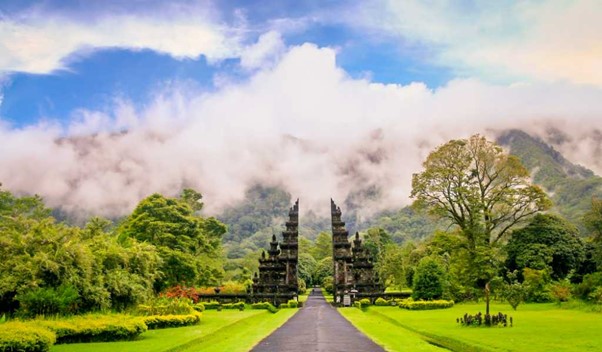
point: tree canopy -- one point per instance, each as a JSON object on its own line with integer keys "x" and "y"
{"x": 477, "y": 186}
{"x": 547, "y": 242}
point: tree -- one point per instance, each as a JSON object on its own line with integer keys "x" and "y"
{"x": 593, "y": 222}
{"x": 189, "y": 245}
{"x": 306, "y": 267}
{"x": 484, "y": 191}
{"x": 323, "y": 246}
{"x": 547, "y": 242}
{"x": 479, "y": 188}
{"x": 428, "y": 280}
{"x": 390, "y": 266}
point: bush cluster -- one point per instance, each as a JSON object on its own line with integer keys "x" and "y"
{"x": 264, "y": 305}
{"x": 211, "y": 305}
{"x": 290, "y": 304}
{"x": 238, "y": 305}
{"x": 199, "y": 307}
{"x": 383, "y": 302}
{"x": 171, "y": 321}
{"x": 90, "y": 328}
{"x": 18, "y": 336}
{"x": 425, "y": 305}
{"x": 487, "y": 320}
{"x": 365, "y": 302}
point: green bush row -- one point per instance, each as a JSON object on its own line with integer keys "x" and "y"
{"x": 199, "y": 307}
{"x": 290, "y": 304}
{"x": 237, "y": 305}
{"x": 171, "y": 321}
{"x": 264, "y": 305}
{"x": 18, "y": 336}
{"x": 211, "y": 305}
{"x": 365, "y": 302}
{"x": 89, "y": 328}
{"x": 425, "y": 305}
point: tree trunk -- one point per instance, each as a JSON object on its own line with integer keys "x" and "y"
{"x": 487, "y": 298}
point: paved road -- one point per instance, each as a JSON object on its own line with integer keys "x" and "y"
{"x": 317, "y": 327}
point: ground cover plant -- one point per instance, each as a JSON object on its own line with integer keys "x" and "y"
{"x": 537, "y": 327}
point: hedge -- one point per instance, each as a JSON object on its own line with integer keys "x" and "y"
{"x": 199, "y": 307}
{"x": 264, "y": 305}
{"x": 382, "y": 302}
{"x": 238, "y": 305}
{"x": 89, "y": 328}
{"x": 365, "y": 301}
{"x": 18, "y": 336}
{"x": 211, "y": 305}
{"x": 171, "y": 321}
{"x": 425, "y": 305}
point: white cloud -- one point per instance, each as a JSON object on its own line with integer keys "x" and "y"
{"x": 264, "y": 53}
{"x": 41, "y": 43}
{"x": 304, "y": 124}
{"x": 552, "y": 40}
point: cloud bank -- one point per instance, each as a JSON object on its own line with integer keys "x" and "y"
{"x": 301, "y": 123}
{"x": 40, "y": 42}
{"x": 554, "y": 40}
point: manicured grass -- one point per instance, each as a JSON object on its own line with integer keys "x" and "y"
{"x": 385, "y": 333}
{"x": 228, "y": 330}
{"x": 537, "y": 327}
{"x": 244, "y": 334}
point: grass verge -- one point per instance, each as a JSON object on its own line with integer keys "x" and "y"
{"x": 386, "y": 333}
{"x": 537, "y": 327}
{"x": 228, "y": 330}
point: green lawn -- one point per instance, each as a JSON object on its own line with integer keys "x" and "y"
{"x": 537, "y": 327}
{"x": 228, "y": 330}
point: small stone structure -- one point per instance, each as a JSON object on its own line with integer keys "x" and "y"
{"x": 277, "y": 279}
{"x": 353, "y": 268}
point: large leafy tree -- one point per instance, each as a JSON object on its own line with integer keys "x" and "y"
{"x": 547, "y": 242}
{"x": 189, "y": 245}
{"x": 479, "y": 188}
{"x": 486, "y": 192}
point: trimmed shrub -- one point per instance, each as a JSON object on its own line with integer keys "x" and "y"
{"x": 199, "y": 307}
{"x": 171, "y": 321}
{"x": 425, "y": 305}
{"x": 264, "y": 305}
{"x": 18, "y": 336}
{"x": 89, "y": 328}
{"x": 211, "y": 305}
{"x": 237, "y": 305}
{"x": 382, "y": 302}
{"x": 365, "y": 302}
{"x": 283, "y": 305}
{"x": 293, "y": 304}
{"x": 357, "y": 304}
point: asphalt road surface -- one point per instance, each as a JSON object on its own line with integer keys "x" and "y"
{"x": 317, "y": 327}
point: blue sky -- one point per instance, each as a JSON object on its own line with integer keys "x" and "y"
{"x": 93, "y": 77}
{"x": 104, "y": 102}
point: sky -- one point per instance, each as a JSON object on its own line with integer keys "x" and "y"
{"x": 105, "y": 102}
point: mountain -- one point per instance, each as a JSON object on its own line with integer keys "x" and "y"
{"x": 253, "y": 221}
{"x": 570, "y": 186}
